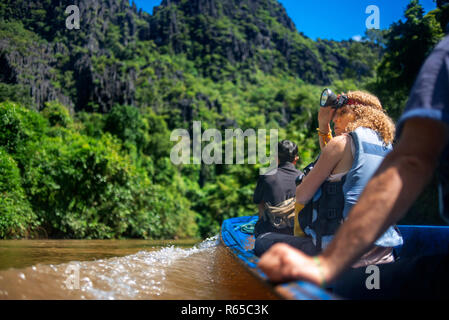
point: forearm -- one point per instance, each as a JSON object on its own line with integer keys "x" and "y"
{"x": 324, "y": 128}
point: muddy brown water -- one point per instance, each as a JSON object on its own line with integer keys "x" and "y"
{"x": 124, "y": 269}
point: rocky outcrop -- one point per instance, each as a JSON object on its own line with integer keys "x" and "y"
{"x": 248, "y": 32}
{"x": 343, "y": 57}
{"x": 36, "y": 68}
{"x": 88, "y": 69}
{"x": 33, "y": 68}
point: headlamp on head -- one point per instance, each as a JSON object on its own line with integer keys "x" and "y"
{"x": 330, "y": 99}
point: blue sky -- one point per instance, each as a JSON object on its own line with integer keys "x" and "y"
{"x": 333, "y": 19}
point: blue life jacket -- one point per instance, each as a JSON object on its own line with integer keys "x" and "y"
{"x": 332, "y": 202}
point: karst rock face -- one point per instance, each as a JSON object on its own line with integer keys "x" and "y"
{"x": 33, "y": 68}
{"x": 248, "y": 32}
{"x": 53, "y": 48}
{"x": 91, "y": 68}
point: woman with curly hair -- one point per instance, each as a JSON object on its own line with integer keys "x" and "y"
{"x": 363, "y": 137}
{"x": 366, "y": 111}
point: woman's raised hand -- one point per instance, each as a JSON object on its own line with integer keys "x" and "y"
{"x": 325, "y": 116}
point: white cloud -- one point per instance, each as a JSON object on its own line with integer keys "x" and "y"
{"x": 357, "y": 38}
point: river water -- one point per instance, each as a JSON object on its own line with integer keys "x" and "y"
{"x": 123, "y": 269}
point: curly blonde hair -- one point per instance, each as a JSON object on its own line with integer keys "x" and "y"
{"x": 368, "y": 113}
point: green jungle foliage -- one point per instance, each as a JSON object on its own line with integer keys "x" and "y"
{"x": 86, "y": 115}
{"x": 77, "y": 186}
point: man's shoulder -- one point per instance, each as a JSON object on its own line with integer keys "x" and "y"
{"x": 285, "y": 169}
{"x": 268, "y": 176}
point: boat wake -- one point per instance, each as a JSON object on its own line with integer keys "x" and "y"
{"x": 141, "y": 275}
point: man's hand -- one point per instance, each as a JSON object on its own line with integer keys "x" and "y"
{"x": 283, "y": 263}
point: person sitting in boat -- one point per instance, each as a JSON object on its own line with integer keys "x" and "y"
{"x": 275, "y": 193}
{"x": 364, "y": 136}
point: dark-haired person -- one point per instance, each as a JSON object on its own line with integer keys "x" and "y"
{"x": 422, "y": 149}
{"x": 275, "y": 193}
{"x": 364, "y": 134}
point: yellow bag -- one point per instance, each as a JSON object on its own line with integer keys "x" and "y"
{"x": 297, "y": 231}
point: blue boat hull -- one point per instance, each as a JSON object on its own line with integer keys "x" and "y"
{"x": 418, "y": 241}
